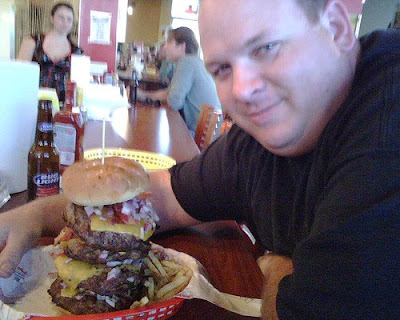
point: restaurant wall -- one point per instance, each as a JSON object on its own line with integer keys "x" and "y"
{"x": 7, "y": 29}
{"x": 99, "y": 52}
{"x": 354, "y": 6}
{"x": 143, "y": 24}
{"x": 165, "y": 19}
{"x": 377, "y": 15}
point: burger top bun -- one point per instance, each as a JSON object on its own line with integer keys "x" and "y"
{"x": 91, "y": 183}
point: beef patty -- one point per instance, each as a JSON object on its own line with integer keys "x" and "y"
{"x": 127, "y": 280}
{"x": 79, "y": 250}
{"x": 89, "y": 302}
{"x": 79, "y": 221}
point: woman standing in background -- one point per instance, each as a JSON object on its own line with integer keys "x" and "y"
{"x": 53, "y": 50}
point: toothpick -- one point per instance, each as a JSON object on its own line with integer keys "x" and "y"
{"x": 103, "y": 140}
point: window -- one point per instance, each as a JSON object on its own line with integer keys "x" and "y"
{"x": 184, "y": 13}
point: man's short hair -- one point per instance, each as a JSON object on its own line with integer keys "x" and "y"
{"x": 312, "y": 8}
{"x": 185, "y": 35}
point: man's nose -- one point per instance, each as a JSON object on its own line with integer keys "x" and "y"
{"x": 246, "y": 82}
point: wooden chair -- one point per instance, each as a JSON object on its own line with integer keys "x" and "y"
{"x": 225, "y": 127}
{"x": 207, "y": 124}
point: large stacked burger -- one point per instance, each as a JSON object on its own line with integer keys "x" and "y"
{"x": 109, "y": 221}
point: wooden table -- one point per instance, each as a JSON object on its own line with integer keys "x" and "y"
{"x": 141, "y": 127}
{"x": 144, "y": 128}
{"x": 226, "y": 254}
{"x": 221, "y": 247}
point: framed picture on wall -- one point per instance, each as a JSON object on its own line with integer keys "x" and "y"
{"x": 185, "y": 9}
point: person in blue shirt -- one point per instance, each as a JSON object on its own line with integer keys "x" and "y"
{"x": 191, "y": 85}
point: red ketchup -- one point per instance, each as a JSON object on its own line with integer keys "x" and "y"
{"x": 69, "y": 129}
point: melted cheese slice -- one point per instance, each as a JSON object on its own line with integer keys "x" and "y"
{"x": 97, "y": 224}
{"x": 74, "y": 272}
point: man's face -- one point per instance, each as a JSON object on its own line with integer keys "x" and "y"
{"x": 276, "y": 72}
{"x": 173, "y": 51}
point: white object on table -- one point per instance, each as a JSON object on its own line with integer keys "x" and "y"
{"x": 19, "y": 83}
{"x": 100, "y": 100}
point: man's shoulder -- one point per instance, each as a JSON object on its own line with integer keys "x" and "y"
{"x": 239, "y": 141}
{"x": 190, "y": 60}
{"x": 383, "y": 45}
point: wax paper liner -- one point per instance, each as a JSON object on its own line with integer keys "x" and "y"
{"x": 28, "y": 288}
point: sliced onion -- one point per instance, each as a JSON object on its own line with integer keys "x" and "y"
{"x": 100, "y": 297}
{"x": 113, "y": 274}
{"x": 126, "y": 208}
{"x": 68, "y": 260}
{"x": 111, "y": 301}
{"x": 89, "y": 210}
{"x": 113, "y": 263}
{"x": 110, "y": 212}
{"x": 127, "y": 261}
{"x": 141, "y": 233}
{"x": 103, "y": 256}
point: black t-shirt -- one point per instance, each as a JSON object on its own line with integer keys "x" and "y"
{"x": 335, "y": 211}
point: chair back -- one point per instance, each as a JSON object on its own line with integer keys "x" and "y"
{"x": 207, "y": 124}
{"x": 225, "y": 127}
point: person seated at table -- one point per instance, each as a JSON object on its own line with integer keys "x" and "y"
{"x": 311, "y": 163}
{"x": 165, "y": 68}
{"x": 191, "y": 85}
{"x": 53, "y": 50}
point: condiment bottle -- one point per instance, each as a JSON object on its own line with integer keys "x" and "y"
{"x": 69, "y": 129}
{"x": 43, "y": 158}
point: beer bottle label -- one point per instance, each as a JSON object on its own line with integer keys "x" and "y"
{"x": 47, "y": 184}
{"x": 45, "y": 126}
{"x": 65, "y": 140}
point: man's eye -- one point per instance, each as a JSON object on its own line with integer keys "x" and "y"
{"x": 266, "y": 50}
{"x": 221, "y": 71}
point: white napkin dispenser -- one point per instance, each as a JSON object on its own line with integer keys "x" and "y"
{"x": 19, "y": 86}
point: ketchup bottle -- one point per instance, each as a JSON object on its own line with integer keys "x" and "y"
{"x": 69, "y": 129}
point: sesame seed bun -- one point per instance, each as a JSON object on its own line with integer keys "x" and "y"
{"x": 91, "y": 183}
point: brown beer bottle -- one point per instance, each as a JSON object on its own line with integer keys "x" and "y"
{"x": 43, "y": 158}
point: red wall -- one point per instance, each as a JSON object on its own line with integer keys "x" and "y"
{"x": 354, "y": 6}
{"x": 99, "y": 52}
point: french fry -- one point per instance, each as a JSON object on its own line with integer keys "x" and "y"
{"x": 176, "y": 281}
{"x": 151, "y": 266}
{"x": 173, "y": 287}
{"x": 157, "y": 263}
{"x": 165, "y": 278}
{"x": 150, "y": 288}
{"x": 145, "y": 300}
{"x": 170, "y": 264}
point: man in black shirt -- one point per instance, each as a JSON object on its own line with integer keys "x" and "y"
{"x": 312, "y": 164}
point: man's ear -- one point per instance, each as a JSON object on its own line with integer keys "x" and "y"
{"x": 183, "y": 44}
{"x": 336, "y": 18}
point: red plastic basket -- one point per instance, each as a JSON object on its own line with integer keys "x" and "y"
{"x": 155, "y": 311}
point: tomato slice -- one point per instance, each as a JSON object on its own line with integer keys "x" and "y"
{"x": 123, "y": 218}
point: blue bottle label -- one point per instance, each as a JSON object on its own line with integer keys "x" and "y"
{"x": 45, "y": 126}
{"x": 47, "y": 184}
